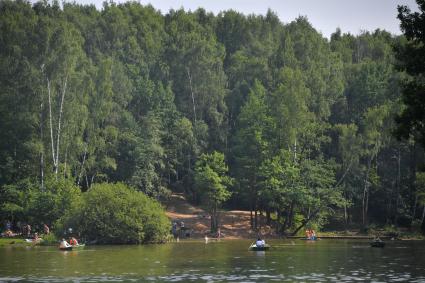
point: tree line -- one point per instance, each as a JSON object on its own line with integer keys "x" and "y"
{"x": 244, "y": 111}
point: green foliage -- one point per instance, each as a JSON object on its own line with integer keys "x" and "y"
{"x": 211, "y": 178}
{"x": 26, "y": 202}
{"x": 130, "y": 95}
{"x": 412, "y": 60}
{"x": 212, "y": 182}
{"x": 48, "y": 205}
{"x": 116, "y": 214}
{"x": 49, "y": 240}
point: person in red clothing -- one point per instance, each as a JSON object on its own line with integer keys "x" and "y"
{"x": 73, "y": 241}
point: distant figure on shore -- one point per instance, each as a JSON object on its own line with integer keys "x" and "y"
{"x": 36, "y": 238}
{"x": 218, "y": 234}
{"x": 8, "y": 225}
{"x": 46, "y": 229}
{"x": 174, "y": 230}
{"x": 28, "y": 230}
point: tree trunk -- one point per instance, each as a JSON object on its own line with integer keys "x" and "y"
{"x": 398, "y": 187}
{"x": 191, "y": 93}
{"x": 345, "y": 208}
{"x": 423, "y": 216}
{"x": 52, "y": 143}
{"x": 92, "y": 179}
{"x": 42, "y": 150}
{"x": 65, "y": 162}
{"x": 414, "y": 208}
{"x": 55, "y": 153}
{"x": 251, "y": 218}
{"x": 87, "y": 182}
{"x": 286, "y": 221}
{"x": 366, "y": 194}
{"x": 214, "y": 219}
{"x": 412, "y": 177}
{"x": 268, "y": 218}
{"x": 82, "y": 166}
{"x": 278, "y": 218}
{"x": 305, "y": 222}
{"x": 291, "y": 215}
{"x": 60, "y": 123}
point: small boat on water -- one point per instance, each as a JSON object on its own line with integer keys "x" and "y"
{"x": 377, "y": 244}
{"x": 310, "y": 239}
{"x": 66, "y": 248}
{"x": 78, "y": 247}
{"x": 254, "y": 247}
{"x": 72, "y": 248}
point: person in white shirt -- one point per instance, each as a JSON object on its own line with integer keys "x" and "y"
{"x": 260, "y": 243}
{"x": 64, "y": 244}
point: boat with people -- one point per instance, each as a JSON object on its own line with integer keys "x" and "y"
{"x": 72, "y": 248}
{"x": 256, "y": 248}
{"x": 310, "y": 235}
{"x": 72, "y": 245}
{"x": 78, "y": 247}
{"x": 66, "y": 248}
{"x": 377, "y": 243}
{"x": 259, "y": 245}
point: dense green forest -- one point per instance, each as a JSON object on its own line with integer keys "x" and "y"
{"x": 235, "y": 111}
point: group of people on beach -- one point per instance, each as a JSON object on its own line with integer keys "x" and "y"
{"x": 180, "y": 230}
{"x": 24, "y": 230}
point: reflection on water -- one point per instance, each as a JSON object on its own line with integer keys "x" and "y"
{"x": 287, "y": 261}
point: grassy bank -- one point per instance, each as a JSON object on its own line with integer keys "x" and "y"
{"x": 12, "y": 241}
{"x": 384, "y": 233}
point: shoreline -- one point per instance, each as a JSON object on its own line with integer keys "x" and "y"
{"x": 271, "y": 237}
{"x": 18, "y": 242}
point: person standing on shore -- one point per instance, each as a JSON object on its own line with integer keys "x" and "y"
{"x": 46, "y": 229}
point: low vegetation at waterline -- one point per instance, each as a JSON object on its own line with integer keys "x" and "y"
{"x": 116, "y": 214}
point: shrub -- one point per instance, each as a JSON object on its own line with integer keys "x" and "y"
{"x": 116, "y": 214}
{"x": 48, "y": 205}
{"x": 26, "y": 201}
{"x": 49, "y": 240}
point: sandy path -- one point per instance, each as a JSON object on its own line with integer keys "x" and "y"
{"x": 234, "y": 224}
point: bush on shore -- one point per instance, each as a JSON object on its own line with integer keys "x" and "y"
{"x": 116, "y": 214}
{"x": 26, "y": 202}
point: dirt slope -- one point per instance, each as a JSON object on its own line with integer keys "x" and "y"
{"x": 233, "y": 224}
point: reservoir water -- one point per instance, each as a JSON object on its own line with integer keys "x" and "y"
{"x": 224, "y": 261}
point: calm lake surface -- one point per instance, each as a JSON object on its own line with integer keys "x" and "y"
{"x": 225, "y": 261}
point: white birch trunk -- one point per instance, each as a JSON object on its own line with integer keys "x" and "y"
{"x": 191, "y": 93}
{"x": 42, "y": 150}
{"x": 60, "y": 124}
{"x": 52, "y": 142}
